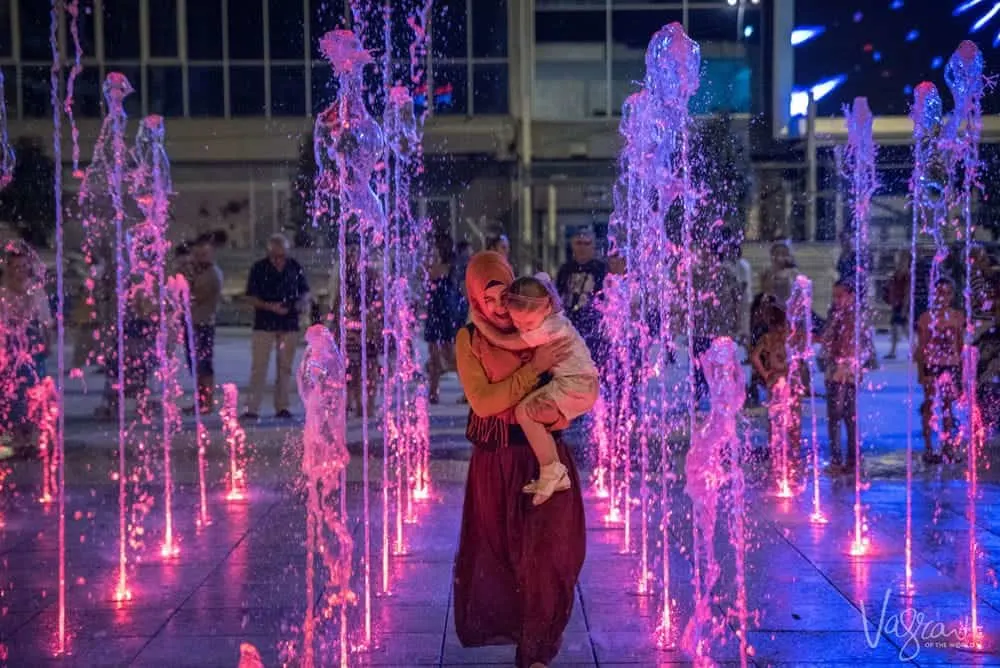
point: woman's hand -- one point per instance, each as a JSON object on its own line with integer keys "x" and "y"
{"x": 549, "y": 355}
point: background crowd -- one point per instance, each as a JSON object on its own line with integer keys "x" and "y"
{"x": 278, "y": 292}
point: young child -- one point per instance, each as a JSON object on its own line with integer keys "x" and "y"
{"x": 939, "y": 363}
{"x": 536, "y": 312}
{"x": 842, "y": 373}
{"x": 770, "y": 360}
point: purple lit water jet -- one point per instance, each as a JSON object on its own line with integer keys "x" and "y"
{"x": 101, "y": 198}
{"x": 236, "y": 439}
{"x": 7, "y": 158}
{"x": 713, "y": 465}
{"x": 926, "y": 191}
{"x": 859, "y": 169}
{"x": 346, "y": 132}
{"x": 965, "y": 77}
{"x": 321, "y": 382}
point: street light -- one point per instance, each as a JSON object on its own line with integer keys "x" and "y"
{"x": 741, "y": 6}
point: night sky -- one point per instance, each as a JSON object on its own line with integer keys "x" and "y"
{"x": 885, "y": 47}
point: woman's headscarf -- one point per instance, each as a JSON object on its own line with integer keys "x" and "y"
{"x": 486, "y": 268}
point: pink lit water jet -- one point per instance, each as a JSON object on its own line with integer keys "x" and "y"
{"x": 965, "y": 77}
{"x": 713, "y": 466}
{"x": 7, "y": 158}
{"x": 58, "y": 443}
{"x": 802, "y": 301}
{"x": 101, "y": 194}
{"x": 347, "y": 134}
{"x": 43, "y": 411}
{"x": 322, "y": 381}
{"x": 925, "y": 191}
{"x": 859, "y": 169}
{"x": 236, "y": 439}
{"x": 655, "y": 177}
{"x": 150, "y": 187}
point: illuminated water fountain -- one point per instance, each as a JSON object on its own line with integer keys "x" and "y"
{"x": 7, "y": 157}
{"x": 321, "y": 382}
{"x": 714, "y": 475}
{"x": 349, "y": 141}
{"x": 859, "y": 169}
{"x": 102, "y": 202}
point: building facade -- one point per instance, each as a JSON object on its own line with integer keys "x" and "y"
{"x": 524, "y": 97}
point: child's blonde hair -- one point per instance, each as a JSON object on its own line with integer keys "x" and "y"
{"x": 533, "y": 293}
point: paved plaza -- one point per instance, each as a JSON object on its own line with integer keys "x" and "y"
{"x": 245, "y": 578}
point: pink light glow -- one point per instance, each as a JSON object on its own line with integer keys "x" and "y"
{"x": 236, "y": 440}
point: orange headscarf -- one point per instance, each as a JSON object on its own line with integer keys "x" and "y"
{"x": 485, "y": 268}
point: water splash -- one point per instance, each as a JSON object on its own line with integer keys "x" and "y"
{"x": 714, "y": 463}
{"x": 801, "y": 312}
{"x": 43, "y": 411}
{"x": 927, "y": 185}
{"x": 102, "y": 198}
{"x": 7, "y": 158}
{"x": 73, "y": 9}
{"x": 59, "y": 441}
{"x": 859, "y": 168}
{"x": 150, "y": 187}
{"x": 349, "y": 137}
{"x": 236, "y": 439}
{"x": 964, "y": 75}
{"x": 655, "y": 185}
{"x": 321, "y": 382}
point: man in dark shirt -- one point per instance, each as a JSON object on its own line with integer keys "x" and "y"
{"x": 579, "y": 282}
{"x": 278, "y": 291}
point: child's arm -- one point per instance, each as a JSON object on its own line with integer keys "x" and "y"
{"x": 757, "y": 358}
{"x": 918, "y": 354}
{"x": 506, "y": 340}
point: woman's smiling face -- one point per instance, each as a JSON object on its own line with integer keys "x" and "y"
{"x": 493, "y": 307}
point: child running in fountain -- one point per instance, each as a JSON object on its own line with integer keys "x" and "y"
{"x": 770, "y": 359}
{"x": 939, "y": 364}
{"x": 537, "y": 314}
{"x": 842, "y": 373}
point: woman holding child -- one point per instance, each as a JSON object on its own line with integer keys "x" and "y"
{"x": 519, "y": 555}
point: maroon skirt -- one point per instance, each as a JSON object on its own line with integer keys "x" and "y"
{"x": 517, "y": 564}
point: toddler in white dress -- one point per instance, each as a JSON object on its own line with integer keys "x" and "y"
{"x": 537, "y": 314}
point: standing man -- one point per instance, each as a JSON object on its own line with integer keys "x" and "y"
{"x": 579, "y": 282}
{"x": 206, "y": 293}
{"x": 278, "y": 291}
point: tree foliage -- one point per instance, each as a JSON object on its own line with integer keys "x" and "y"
{"x": 29, "y": 201}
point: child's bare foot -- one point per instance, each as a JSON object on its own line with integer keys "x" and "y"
{"x": 553, "y": 478}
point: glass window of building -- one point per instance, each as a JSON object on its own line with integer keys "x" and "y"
{"x": 324, "y": 16}
{"x": 246, "y": 90}
{"x": 489, "y": 86}
{"x": 34, "y": 25}
{"x": 288, "y": 90}
{"x": 286, "y": 32}
{"x": 88, "y": 94}
{"x": 450, "y": 94}
{"x": 448, "y": 29}
{"x": 36, "y": 91}
{"x": 570, "y": 65}
{"x": 166, "y": 91}
{"x": 324, "y": 87}
{"x": 489, "y": 29}
{"x": 246, "y": 31}
{"x": 121, "y": 29}
{"x": 6, "y": 31}
{"x": 11, "y": 91}
{"x": 204, "y": 30}
{"x": 206, "y": 93}
{"x": 163, "y": 29}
